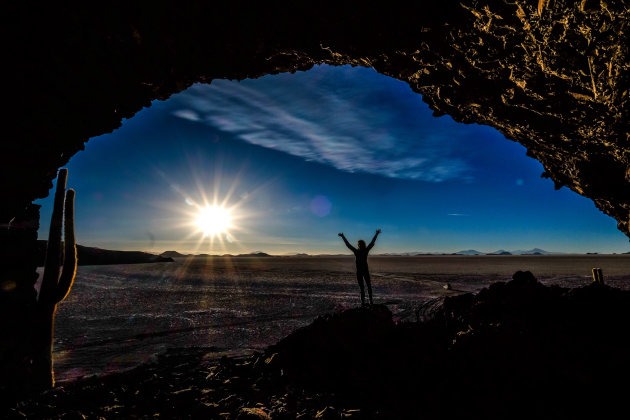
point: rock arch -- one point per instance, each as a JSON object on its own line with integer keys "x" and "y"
{"x": 552, "y": 75}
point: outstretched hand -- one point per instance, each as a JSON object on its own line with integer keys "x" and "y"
{"x": 378, "y": 231}
{"x": 340, "y": 234}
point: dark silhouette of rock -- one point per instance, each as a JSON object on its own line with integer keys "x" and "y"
{"x": 254, "y": 254}
{"x": 514, "y": 338}
{"x": 334, "y": 349}
{"x": 96, "y": 256}
{"x": 172, "y": 254}
{"x": 515, "y": 350}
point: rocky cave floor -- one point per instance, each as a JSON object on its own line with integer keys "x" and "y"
{"x": 183, "y": 383}
{"x": 514, "y": 350}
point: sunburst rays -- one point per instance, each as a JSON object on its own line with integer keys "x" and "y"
{"x": 212, "y": 213}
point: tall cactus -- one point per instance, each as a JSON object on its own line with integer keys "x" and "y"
{"x": 55, "y": 287}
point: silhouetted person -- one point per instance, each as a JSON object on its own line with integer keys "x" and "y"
{"x": 361, "y": 254}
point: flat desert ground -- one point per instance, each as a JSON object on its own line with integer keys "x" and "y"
{"x": 119, "y": 316}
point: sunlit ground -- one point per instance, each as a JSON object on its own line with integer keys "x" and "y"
{"x": 119, "y": 316}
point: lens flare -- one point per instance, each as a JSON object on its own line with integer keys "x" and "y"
{"x": 213, "y": 220}
{"x": 212, "y": 211}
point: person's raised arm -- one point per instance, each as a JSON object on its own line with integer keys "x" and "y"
{"x": 378, "y": 231}
{"x": 350, "y": 247}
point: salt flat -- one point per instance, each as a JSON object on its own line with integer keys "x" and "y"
{"x": 121, "y": 315}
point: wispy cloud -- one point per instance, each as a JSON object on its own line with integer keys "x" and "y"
{"x": 339, "y": 123}
{"x": 187, "y": 114}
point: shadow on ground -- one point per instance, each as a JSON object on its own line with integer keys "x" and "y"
{"x": 515, "y": 350}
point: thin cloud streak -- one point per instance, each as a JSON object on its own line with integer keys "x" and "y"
{"x": 333, "y": 129}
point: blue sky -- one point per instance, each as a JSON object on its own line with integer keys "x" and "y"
{"x": 300, "y": 157}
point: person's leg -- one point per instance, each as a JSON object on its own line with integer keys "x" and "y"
{"x": 360, "y": 280}
{"x": 369, "y": 285}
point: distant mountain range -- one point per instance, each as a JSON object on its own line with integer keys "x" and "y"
{"x": 254, "y": 254}
{"x": 533, "y": 251}
{"x": 175, "y": 254}
{"x": 96, "y": 256}
{"x": 172, "y": 254}
{"x": 469, "y": 252}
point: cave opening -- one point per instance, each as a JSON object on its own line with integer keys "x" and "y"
{"x": 549, "y": 75}
{"x": 303, "y": 154}
{"x": 297, "y": 157}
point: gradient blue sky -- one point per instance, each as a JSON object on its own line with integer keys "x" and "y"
{"x": 304, "y": 156}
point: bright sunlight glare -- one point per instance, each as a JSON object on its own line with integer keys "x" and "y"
{"x": 211, "y": 214}
{"x": 213, "y": 220}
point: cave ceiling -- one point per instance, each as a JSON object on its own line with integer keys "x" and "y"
{"x": 551, "y": 75}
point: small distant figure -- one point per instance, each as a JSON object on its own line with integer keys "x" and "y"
{"x": 361, "y": 254}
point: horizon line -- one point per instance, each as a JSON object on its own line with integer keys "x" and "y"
{"x": 469, "y": 251}
{"x": 393, "y": 254}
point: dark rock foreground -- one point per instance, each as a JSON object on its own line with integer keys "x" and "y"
{"x": 514, "y": 350}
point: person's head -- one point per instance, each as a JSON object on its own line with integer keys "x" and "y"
{"x": 361, "y": 244}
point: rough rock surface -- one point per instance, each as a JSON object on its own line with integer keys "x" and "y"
{"x": 515, "y": 350}
{"x": 552, "y": 75}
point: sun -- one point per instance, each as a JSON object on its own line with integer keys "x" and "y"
{"x": 213, "y": 216}
{"x": 213, "y": 220}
